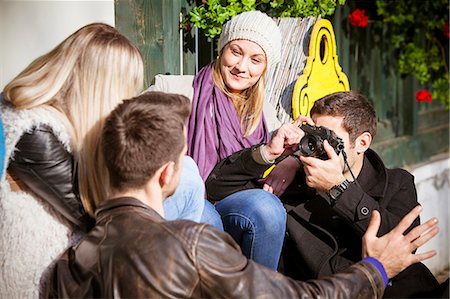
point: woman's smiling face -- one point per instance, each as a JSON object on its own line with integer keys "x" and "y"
{"x": 242, "y": 63}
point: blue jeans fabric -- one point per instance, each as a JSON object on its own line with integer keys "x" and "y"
{"x": 256, "y": 220}
{"x": 188, "y": 201}
{"x": 211, "y": 216}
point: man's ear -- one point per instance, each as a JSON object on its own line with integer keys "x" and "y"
{"x": 362, "y": 142}
{"x": 167, "y": 173}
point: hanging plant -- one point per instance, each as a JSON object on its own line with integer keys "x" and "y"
{"x": 212, "y": 14}
{"x": 419, "y": 32}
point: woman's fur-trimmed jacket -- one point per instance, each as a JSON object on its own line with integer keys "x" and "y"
{"x": 38, "y": 216}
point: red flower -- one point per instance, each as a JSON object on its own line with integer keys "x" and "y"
{"x": 358, "y": 18}
{"x": 446, "y": 30}
{"x": 423, "y": 95}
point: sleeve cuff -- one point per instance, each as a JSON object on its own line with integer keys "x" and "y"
{"x": 263, "y": 155}
{"x": 377, "y": 264}
{"x": 259, "y": 155}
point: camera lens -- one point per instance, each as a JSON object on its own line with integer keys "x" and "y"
{"x": 310, "y": 145}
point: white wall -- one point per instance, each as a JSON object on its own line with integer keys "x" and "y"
{"x": 29, "y": 29}
{"x": 433, "y": 184}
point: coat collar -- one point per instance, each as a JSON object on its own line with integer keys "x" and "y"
{"x": 373, "y": 177}
{"x": 110, "y": 205}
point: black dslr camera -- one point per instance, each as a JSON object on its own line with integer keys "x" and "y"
{"x": 312, "y": 143}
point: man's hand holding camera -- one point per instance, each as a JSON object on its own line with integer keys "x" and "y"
{"x": 322, "y": 165}
{"x": 323, "y": 174}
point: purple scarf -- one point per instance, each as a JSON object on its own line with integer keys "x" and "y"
{"x": 214, "y": 130}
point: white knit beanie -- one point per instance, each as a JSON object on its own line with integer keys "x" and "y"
{"x": 257, "y": 27}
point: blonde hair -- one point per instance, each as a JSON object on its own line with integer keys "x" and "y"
{"x": 82, "y": 80}
{"x": 248, "y": 104}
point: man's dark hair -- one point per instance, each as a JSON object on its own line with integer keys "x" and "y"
{"x": 142, "y": 134}
{"x": 359, "y": 116}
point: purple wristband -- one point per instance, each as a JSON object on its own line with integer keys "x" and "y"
{"x": 379, "y": 267}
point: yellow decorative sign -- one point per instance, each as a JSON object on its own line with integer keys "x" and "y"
{"x": 322, "y": 74}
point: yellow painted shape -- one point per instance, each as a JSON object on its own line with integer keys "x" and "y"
{"x": 266, "y": 173}
{"x": 322, "y": 74}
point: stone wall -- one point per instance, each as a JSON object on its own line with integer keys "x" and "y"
{"x": 432, "y": 183}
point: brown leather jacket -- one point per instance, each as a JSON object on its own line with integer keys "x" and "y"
{"x": 134, "y": 252}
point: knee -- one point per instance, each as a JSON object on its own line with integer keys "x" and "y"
{"x": 269, "y": 210}
{"x": 189, "y": 166}
{"x": 190, "y": 180}
{"x": 211, "y": 216}
{"x": 254, "y": 209}
{"x": 264, "y": 210}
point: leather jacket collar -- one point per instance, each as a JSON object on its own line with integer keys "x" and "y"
{"x": 106, "y": 207}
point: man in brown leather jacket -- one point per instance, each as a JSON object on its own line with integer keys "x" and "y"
{"x": 133, "y": 252}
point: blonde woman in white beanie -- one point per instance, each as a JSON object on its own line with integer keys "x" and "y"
{"x": 227, "y": 116}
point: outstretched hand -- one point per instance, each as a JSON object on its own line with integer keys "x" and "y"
{"x": 395, "y": 250}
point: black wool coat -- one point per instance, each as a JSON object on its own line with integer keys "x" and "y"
{"x": 322, "y": 238}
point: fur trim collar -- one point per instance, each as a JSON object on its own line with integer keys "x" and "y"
{"x": 18, "y": 122}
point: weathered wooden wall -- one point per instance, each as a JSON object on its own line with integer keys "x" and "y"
{"x": 153, "y": 25}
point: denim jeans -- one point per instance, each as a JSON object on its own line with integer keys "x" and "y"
{"x": 256, "y": 219}
{"x": 188, "y": 201}
{"x": 211, "y": 216}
